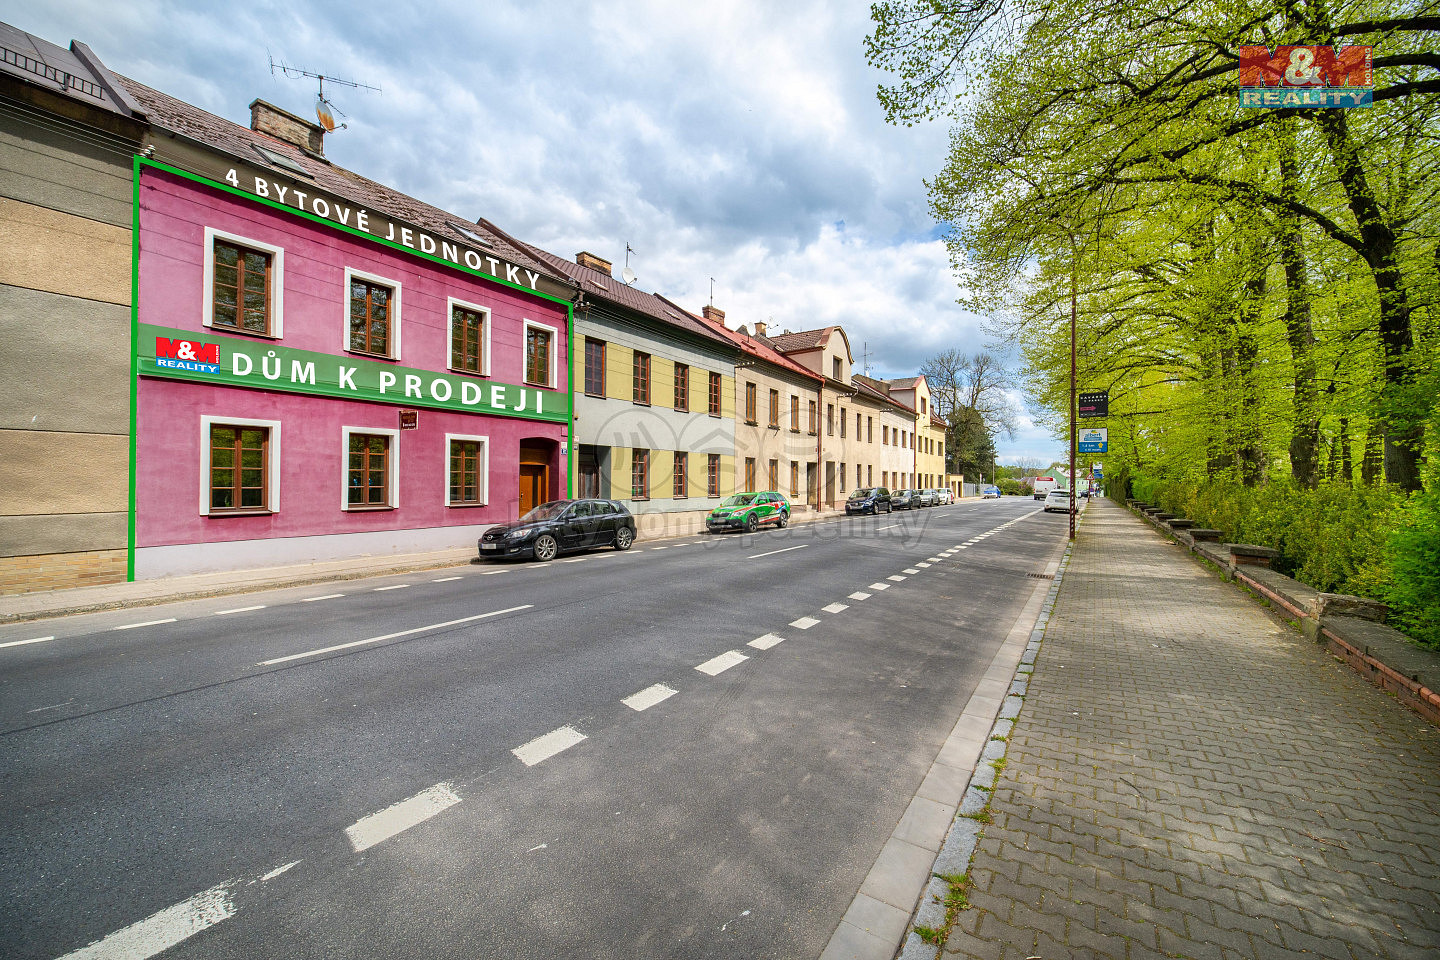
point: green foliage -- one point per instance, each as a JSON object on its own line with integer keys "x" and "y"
{"x": 1414, "y": 583}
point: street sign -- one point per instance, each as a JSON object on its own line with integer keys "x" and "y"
{"x": 409, "y": 419}
{"x": 1097, "y": 470}
{"x": 1094, "y": 440}
{"x": 1092, "y": 403}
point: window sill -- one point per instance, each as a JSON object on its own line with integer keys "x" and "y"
{"x": 464, "y": 506}
{"x": 225, "y": 328}
{"x": 635, "y": 499}
{"x": 752, "y": 423}
{"x": 715, "y": 414}
{"x": 539, "y": 386}
{"x": 641, "y": 403}
{"x": 681, "y": 496}
{"x": 362, "y": 508}
{"x": 373, "y": 356}
{"x": 469, "y": 373}
{"x": 597, "y": 396}
{"x": 240, "y": 513}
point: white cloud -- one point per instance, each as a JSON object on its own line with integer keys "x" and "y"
{"x": 740, "y": 141}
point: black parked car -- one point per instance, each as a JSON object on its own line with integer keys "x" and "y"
{"x": 868, "y": 500}
{"x": 905, "y": 499}
{"x": 561, "y": 525}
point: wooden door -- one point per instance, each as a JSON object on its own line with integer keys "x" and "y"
{"x": 534, "y": 486}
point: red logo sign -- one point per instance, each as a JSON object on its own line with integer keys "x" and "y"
{"x": 186, "y": 350}
{"x": 1306, "y": 76}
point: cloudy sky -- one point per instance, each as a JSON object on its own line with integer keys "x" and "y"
{"x": 739, "y": 141}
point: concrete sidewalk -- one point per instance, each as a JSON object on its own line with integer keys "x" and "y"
{"x": 1189, "y": 777}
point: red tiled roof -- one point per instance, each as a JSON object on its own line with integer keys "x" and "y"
{"x": 751, "y": 345}
{"x": 880, "y": 389}
{"x": 598, "y": 285}
{"x": 219, "y": 134}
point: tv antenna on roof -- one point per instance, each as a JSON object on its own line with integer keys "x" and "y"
{"x": 324, "y": 110}
{"x": 627, "y": 274}
{"x": 865, "y": 356}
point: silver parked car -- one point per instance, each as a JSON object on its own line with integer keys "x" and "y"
{"x": 1057, "y": 501}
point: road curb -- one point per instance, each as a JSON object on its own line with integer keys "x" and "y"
{"x": 929, "y": 838}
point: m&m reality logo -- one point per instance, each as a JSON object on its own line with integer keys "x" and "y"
{"x": 187, "y": 355}
{"x": 1309, "y": 76}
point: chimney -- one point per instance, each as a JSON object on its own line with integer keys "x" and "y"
{"x": 759, "y": 328}
{"x": 595, "y": 263}
{"x": 284, "y": 125}
{"x": 713, "y": 314}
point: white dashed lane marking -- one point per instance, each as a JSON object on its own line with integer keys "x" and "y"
{"x": 648, "y": 697}
{"x": 393, "y": 586}
{"x": 224, "y": 613}
{"x": 328, "y": 596}
{"x": 147, "y": 623}
{"x": 836, "y": 608}
{"x": 773, "y": 552}
{"x": 804, "y": 623}
{"x": 718, "y": 665}
{"x": 895, "y": 577}
{"x": 766, "y": 642}
{"x": 879, "y": 586}
{"x": 399, "y": 817}
{"x": 162, "y": 930}
{"x": 21, "y": 643}
{"x": 446, "y": 579}
{"x": 543, "y": 748}
{"x": 859, "y": 595}
{"x": 392, "y": 636}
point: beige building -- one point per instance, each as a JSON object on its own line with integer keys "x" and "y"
{"x": 774, "y": 446}
{"x": 68, "y": 131}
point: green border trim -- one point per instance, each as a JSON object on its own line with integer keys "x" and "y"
{"x": 140, "y": 162}
{"x": 134, "y": 345}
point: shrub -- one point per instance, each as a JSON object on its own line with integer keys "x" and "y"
{"x": 1413, "y": 587}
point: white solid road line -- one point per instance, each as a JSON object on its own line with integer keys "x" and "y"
{"x": 718, "y": 665}
{"x": 446, "y": 579}
{"x": 399, "y": 817}
{"x": 576, "y": 560}
{"x": 224, "y": 613}
{"x": 859, "y": 595}
{"x": 766, "y": 642}
{"x": 162, "y": 930}
{"x": 21, "y": 643}
{"x": 836, "y": 608}
{"x": 804, "y": 623}
{"x": 393, "y": 586}
{"x": 147, "y": 623}
{"x": 648, "y": 697}
{"x": 328, "y": 596}
{"x": 543, "y": 748}
{"x": 773, "y": 552}
{"x": 391, "y": 636}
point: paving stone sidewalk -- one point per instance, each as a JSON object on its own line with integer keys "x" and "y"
{"x": 1190, "y": 778}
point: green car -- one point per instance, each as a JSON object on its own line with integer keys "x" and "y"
{"x": 750, "y": 512}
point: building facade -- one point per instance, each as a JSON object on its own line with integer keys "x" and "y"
{"x": 324, "y": 367}
{"x": 654, "y": 401}
{"x": 68, "y": 133}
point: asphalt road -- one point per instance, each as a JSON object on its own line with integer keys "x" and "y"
{"x": 460, "y": 777}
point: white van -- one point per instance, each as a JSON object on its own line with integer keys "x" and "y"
{"x": 1044, "y": 485}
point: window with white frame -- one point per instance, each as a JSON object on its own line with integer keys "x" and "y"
{"x": 468, "y": 470}
{"x": 372, "y": 315}
{"x": 541, "y": 343}
{"x": 469, "y": 337}
{"x": 239, "y": 466}
{"x": 370, "y": 479}
{"x": 244, "y": 285}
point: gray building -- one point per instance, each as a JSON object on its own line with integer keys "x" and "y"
{"x": 68, "y": 135}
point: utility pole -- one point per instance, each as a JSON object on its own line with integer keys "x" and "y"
{"x": 1073, "y": 282}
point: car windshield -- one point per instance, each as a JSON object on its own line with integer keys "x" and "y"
{"x": 739, "y": 500}
{"x": 546, "y": 511}
{"x": 862, "y": 493}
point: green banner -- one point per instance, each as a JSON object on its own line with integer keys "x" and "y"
{"x": 234, "y": 362}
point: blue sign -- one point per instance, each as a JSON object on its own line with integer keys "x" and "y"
{"x": 1094, "y": 440}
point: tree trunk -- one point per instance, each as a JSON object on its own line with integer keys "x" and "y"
{"x": 1372, "y": 466}
{"x": 1305, "y": 428}
{"x": 1404, "y": 431}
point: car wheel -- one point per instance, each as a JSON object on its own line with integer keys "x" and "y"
{"x": 545, "y": 548}
{"x": 784, "y": 520}
{"x": 623, "y": 538}
{"x": 752, "y": 523}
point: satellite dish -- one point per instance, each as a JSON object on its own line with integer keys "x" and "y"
{"x": 628, "y": 276}
{"x": 324, "y": 115}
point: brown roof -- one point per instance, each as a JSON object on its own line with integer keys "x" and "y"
{"x": 76, "y": 73}
{"x": 804, "y": 340}
{"x": 879, "y": 389}
{"x": 219, "y": 134}
{"x": 752, "y": 345}
{"x": 598, "y": 285}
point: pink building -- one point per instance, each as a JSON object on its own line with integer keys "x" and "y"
{"x": 324, "y": 367}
